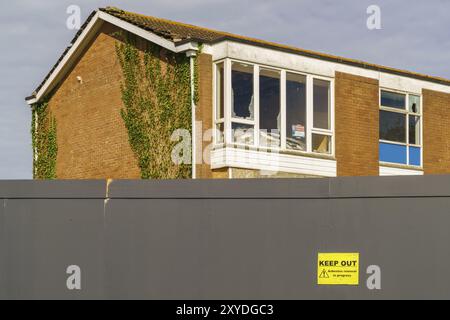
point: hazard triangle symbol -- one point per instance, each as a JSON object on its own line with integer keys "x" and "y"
{"x": 323, "y": 274}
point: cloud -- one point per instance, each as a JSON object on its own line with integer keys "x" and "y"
{"x": 414, "y": 36}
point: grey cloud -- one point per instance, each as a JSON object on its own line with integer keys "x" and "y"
{"x": 414, "y": 37}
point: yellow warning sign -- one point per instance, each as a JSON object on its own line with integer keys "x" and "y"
{"x": 338, "y": 268}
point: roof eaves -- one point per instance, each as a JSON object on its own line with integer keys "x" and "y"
{"x": 336, "y": 59}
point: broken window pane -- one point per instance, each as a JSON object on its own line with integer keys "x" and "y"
{"x": 242, "y": 133}
{"x": 321, "y": 143}
{"x": 414, "y": 104}
{"x": 414, "y": 130}
{"x": 242, "y": 91}
{"x": 269, "y": 107}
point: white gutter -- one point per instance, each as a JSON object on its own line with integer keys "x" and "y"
{"x": 36, "y": 123}
{"x": 191, "y": 54}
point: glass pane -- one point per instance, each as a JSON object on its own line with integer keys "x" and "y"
{"x": 321, "y": 116}
{"x": 392, "y": 126}
{"x": 219, "y": 133}
{"x": 220, "y": 91}
{"x": 414, "y": 103}
{"x": 392, "y": 153}
{"x": 414, "y": 156}
{"x": 321, "y": 143}
{"x": 414, "y": 130}
{"x": 242, "y": 87}
{"x": 242, "y": 133}
{"x": 393, "y": 100}
{"x": 269, "y": 107}
{"x": 295, "y": 111}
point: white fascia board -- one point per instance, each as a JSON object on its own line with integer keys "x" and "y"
{"x": 31, "y": 101}
{"x": 88, "y": 33}
{"x": 169, "y": 45}
{"x": 70, "y": 55}
{"x": 186, "y": 47}
{"x": 148, "y": 35}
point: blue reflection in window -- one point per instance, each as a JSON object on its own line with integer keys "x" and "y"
{"x": 392, "y": 153}
{"x": 414, "y": 156}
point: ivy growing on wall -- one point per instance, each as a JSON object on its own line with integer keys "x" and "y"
{"x": 45, "y": 147}
{"x": 156, "y": 94}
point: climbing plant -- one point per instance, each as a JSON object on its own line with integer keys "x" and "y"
{"x": 156, "y": 95}
{"x": 45, "y": 147}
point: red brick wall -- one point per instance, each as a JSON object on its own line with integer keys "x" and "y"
{"x": 436, "y": 132}
{"x": 204, "y": 111}
{"x": 357, "y": 125}
{"x": 91, "y": 136}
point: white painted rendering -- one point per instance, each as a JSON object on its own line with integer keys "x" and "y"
{"x": 272, "y": 161}
{"x": 393, "y": 171}
{"x": 298, "y": 63}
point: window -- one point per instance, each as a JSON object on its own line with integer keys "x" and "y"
{"x": 272, "y": 108}
{"x": 242, "y": 103}
{"x": 242, "y": 87}
{"x": 269, "y": 107}
{"x": 321, "y": 131}
{"x": 321, "y": 143}
{"x": 220, "y": 102}
{"x": 393, "y": 126}
{"x": 321, "y": 104}
{"x": 393, "y": 100}
{"x": 400, "y": 122}
{"x": 295, "y": 111}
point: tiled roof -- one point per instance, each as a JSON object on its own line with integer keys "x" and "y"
{"x": 168, "y": 29}
{"x": 182, "y": 32}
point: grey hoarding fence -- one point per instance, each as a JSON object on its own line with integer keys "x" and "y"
{"x": 233, "y": 239}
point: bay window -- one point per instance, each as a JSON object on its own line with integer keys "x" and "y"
{"x": 271, "y": 108}
{"x": 400, "y": 128}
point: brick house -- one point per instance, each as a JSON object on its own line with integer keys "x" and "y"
{"x": 276, "y": 110}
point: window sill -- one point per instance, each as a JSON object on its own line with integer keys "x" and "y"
{"x": 389, "y": 169}
{"x": 278, "y": 151}
{"x": 400, "y": 166}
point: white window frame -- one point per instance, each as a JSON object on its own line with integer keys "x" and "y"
{"x": 228, "y": 120}
{"x": 310, "y": 110}
{"x": 406, "y": 112}
{"x": 216, "y": 121}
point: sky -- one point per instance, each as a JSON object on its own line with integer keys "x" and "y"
{"x": 414, "y": 35}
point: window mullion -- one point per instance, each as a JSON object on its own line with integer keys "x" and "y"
{"x": 407, "y": 138}
{"x": 309, "y": 112}
{"x": 256, "y": 102}
{"x": 227, "y": 101}
{"x": 283, "y": 109}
